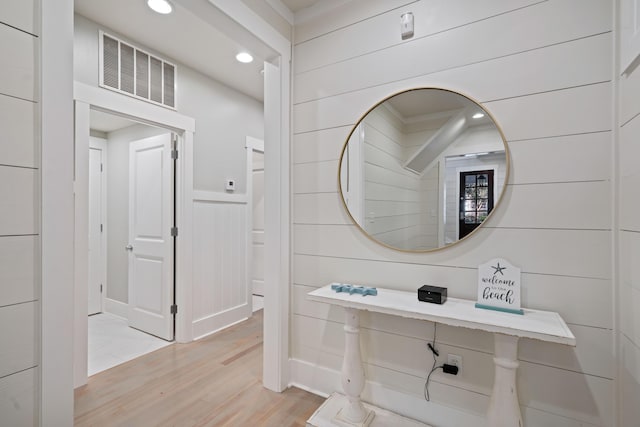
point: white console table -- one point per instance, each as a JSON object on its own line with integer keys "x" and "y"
{"x": 504, "y": 408}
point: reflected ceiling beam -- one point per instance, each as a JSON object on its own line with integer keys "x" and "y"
{"x": 282, "y": 10}
{"x": 438, "y": 143}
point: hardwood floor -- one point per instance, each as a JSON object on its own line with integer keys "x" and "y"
{"x": 216, "y": 381}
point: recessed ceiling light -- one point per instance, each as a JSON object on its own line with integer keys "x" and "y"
{"x": 160, "y": 6}
{"x": 244, "y": 57}
{"x": 478, "y": 115}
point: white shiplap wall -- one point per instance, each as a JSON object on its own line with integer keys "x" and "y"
{"x": 629, "y": 248}
{"x": 19, "y": 213}
{"x": 550, "y": 91}
{"x": 391, "y": 192}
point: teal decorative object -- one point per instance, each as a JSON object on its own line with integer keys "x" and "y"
{"x": 363, "y": 290}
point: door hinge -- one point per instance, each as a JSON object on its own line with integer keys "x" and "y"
{"x": 100, "y": 287}
{"x": 174, "y": 154}
{"x": 100, "y": 167}
{"x": 174, "y": 231}
{"x": 174, "y": 309}
{"x": 101, "y": 228}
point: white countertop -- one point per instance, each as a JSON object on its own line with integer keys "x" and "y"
{"x": 536, "y": 324}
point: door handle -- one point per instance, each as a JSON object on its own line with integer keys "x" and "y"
{"x": 129, "y": 247}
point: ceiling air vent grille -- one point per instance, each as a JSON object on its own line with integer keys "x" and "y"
{"x": 129, "y": 70}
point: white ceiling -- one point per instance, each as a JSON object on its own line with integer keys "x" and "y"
{"x": 105, "y": 122}
{"x": 296, "y": 5}
{"x": 424, "y": 102}
{"x": 187, "y": 36}
{"x": 429, "y": 103}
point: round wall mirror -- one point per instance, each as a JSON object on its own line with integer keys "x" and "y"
{"x": 423, "y": 169}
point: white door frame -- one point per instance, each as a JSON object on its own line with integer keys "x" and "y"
{"x": 479, "y": 167}
{"x": 278, "y": 190}
{"x": 87, "y": 97}
{"x": 57, "y": 133}
{"x": 252, "y": 145}
{"x": 102, "y": 145}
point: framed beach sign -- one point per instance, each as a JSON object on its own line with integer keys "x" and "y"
{"x": 499, "y": 286}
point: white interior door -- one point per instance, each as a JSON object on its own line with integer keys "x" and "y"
{"x": 257, "y": 232}
{"x": 150, "y": 241}
{"x": 96, "y": 235}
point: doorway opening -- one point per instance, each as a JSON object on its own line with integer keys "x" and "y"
{"x": 131, "y": 224}
{"x": 476, "y": 199}
{"x": 195, "y": 202}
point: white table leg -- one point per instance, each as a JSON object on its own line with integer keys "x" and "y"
{"x": 504, "y": 408}
{"x": 354, "y": 413}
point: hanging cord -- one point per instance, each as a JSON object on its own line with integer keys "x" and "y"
{"x": 432, "y": 347}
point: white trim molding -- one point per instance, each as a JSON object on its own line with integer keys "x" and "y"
{"x": 215, "y": 196}
{"x": 252, "y": 145}
{"x": 277, "y": 113}
{"x": 88, "y": 97}
{"x": 629, "y": 36}
{"x": 282, "y": 10}
{"x": 101, "y": 144}
{"x": 56, "y": 137}
{"x": 115, "y": 307}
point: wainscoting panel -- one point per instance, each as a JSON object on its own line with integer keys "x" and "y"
{"x": 220, "y": 282}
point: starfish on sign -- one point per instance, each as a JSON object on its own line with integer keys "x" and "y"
{"x": 498, "y": 269}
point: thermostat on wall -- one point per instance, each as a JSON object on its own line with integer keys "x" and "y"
{"x": 230, "y": 184}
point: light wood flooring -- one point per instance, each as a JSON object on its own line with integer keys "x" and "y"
{"x": 216, "y": 381}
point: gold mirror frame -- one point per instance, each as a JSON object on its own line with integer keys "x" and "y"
{"x": 497, "y": 200}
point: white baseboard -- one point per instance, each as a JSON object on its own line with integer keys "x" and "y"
{"x": 216, "y": 322}
{"x": 116, "y": 308}
{"x": 323, "y": 381}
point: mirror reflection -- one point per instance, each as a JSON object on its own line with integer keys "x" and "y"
{"x": 423, "y": 169}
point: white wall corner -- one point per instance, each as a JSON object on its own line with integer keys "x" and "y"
{"x": 253, "y": 23}
{"x": 282, "y": 10}
{"x": 277, "y": 189}
{"x": 56, "y": 74}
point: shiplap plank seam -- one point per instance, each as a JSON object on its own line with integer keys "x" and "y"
{"x": 459, "y": 67}
{"x": 391, "y": 46}
{"x": 441, "y": 343}
{"x": 19, "y": 29}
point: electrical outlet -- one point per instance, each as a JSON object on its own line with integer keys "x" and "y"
{"x": 455, "y": 360}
